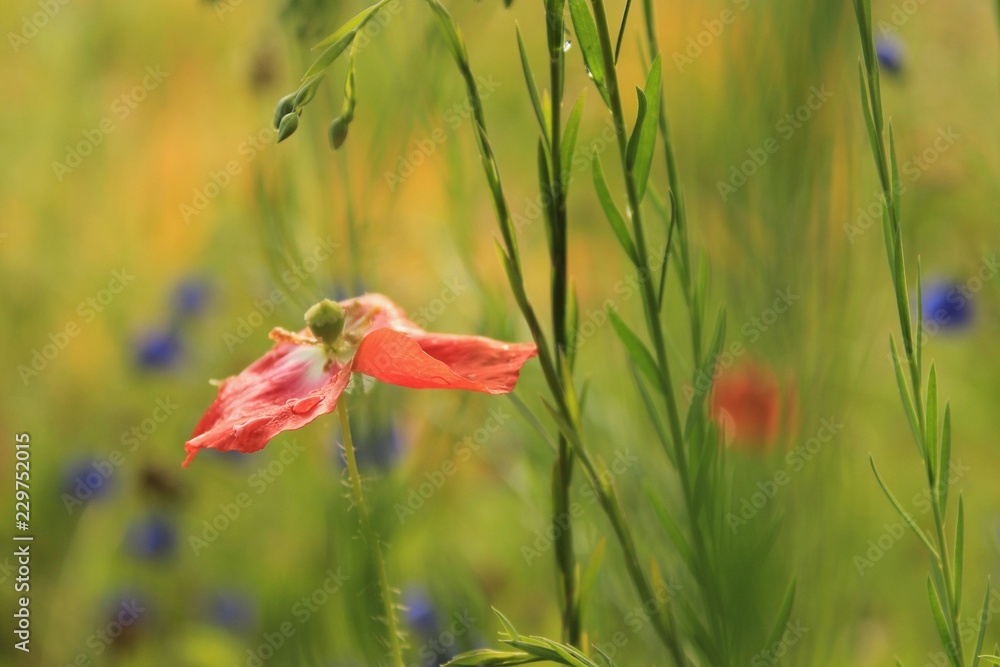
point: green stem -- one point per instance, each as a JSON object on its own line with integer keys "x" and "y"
{"x": 563, "y": 466}
{"x": 370, "y": 538}
{"x": 706, "y": 578}
{"x": 563, "y": 395}
{"x": 675, "y": 188}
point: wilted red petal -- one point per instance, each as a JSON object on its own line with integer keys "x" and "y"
{"x": 293, "y": 384}
{"x": 437, "y": 361}
{"x": 282, "y": 391}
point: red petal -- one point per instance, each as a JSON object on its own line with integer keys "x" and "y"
{"x": 436, "y": 361}
{"x": 284, "y": 390}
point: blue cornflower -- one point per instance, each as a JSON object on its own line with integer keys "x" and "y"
{"x": 946, "y": 304}
{"x": 85, "y": 480}
{"x": 152, "y": 538}
{"x": 890, "y": 53}
{"x": 420, "y": 614}
{"x": 377, "y": 445}
{"x": 190, "y": 297}
{"x": 232, "y": 610}
{"x": 158, "y": 350}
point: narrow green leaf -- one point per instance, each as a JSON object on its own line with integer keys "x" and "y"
{"x": 930, "y": 423}
{"x": 451, "y": 32}
{"x": 569, "y": 140}
{"x": 784, "y": 613}
{"x": 621, "y": 30}
{"x": 646, "y": 139}
{"x": 633, "y": 141}
{"x": 531, "y": 418}
{"x": 959, "y": 557}
{"x": 529, "y": 79}
{"x": 894, "y": 183}
{"x": 653, "y": 412}
{"x": 665, "y": 261}
{"x": 944, "y": 466}
{"x": 636, "y": 349}
{"x": 919, "y": 322}
{"x": 507, "y": 625}
{"x": 612, "y": 213}
{"x": 702, "y": 379}
{"x": 353, "y": 25}
{"x": 672, "y": 529}
{"x": 902, "y": 513}
{"x": 491, "y": 658}
{"x": 328, "y": 57}
{"x": 572, "y": 323}
{"x": 904, "y": 395}
{"x": 546, "y": 188}
{"x": 984, "y": 618}
{"x": 590, "y": 45}
{"x": 939, "y": 620}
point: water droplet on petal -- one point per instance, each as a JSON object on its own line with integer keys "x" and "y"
{"x": 305, "y": 405}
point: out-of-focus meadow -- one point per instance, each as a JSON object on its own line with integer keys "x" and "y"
{"x": 145, "y": 219}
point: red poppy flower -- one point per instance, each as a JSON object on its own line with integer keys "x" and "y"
{"x": 747, "y": 404}
{"x": 304, "y": 374}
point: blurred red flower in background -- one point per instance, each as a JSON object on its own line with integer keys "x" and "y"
{"x": 748, "y": 404}
{"x": 304, "y": 374}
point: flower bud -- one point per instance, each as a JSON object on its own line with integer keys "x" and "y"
{"x": 338, "y": 132}
{"x": 285, "y": 106}
{"x": 326, "y": 321}
{"x": 286, "y": 128}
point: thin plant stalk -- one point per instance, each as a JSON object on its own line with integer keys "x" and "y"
{"x": 554, "y": 367}
{"x": 934, "y": 446}
{"x": 370, "y": 537}
{"x": 563, "y": 466}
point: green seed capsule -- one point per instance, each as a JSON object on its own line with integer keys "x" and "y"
{"x": 326, "y": 321}
{"x": 285, "y": 106}
{"x": 286, "y": 128}
{"x": 338, "y": 132}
